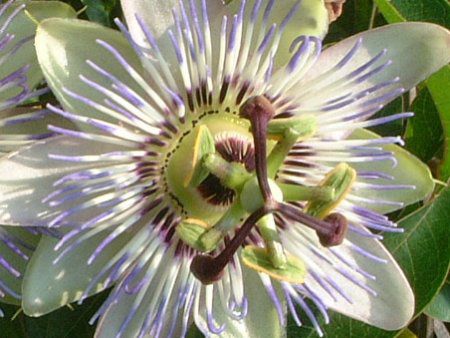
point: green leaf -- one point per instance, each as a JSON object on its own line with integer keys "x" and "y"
{"x": 355, "y": 18}
{"x": 436, "y": 11}
{"x": 424, "y": 134}
{"x": 438, "y": 85}
{"x": 102, "y": 11}
{"x": 423, "y": 251}
{"x": 406, "y": 333}
{"x": 424, "y": 255}
{"x": 194, "y": 332}
{"x": 440, "y": 307}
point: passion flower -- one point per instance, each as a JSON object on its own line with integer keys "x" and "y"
{"x": 205, "y": 159}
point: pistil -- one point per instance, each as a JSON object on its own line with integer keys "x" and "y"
{"x": 209, "y": 269}
{"x": 259, "y": 111}
{"x": 331, "y": 231}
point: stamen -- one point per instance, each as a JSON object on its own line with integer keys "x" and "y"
{"x": 274, "y": 247}
{"x": 291, "y": 131}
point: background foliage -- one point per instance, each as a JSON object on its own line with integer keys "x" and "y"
{"x": 423, "y": 250}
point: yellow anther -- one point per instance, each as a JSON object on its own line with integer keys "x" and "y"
{"x": 258, "y": 259}
{"x": 341, "y": 179}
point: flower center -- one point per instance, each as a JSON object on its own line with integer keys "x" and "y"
{"x": 221, "y": 173}
{"x": 231, "y": 141}
{"x": 261, "y": 198}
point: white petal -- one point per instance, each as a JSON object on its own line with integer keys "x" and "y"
{"x": 390, "y": 309}
{"x": 27, "y": 177}
{"x": 381, "y": 185}
{"x": 408, "y": 171}
{"x": 21, "y": 126}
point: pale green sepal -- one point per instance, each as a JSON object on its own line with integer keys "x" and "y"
{"x": 156, "y": 14}
{"x": 157, "y": 17}
{"x": 41, "y": 10}
{"x": 64, "y": 45}
{"x": 311, "y": 19}
{"x": 408, "y": 171}
{"x": 261, "y": 320}
{"x": 48, "y": 286}
{"x": 19, "y": 263}
{"x": 259, "y": 259}
{"x": 24, "y": 26}
{"x": 110, "y": 324}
